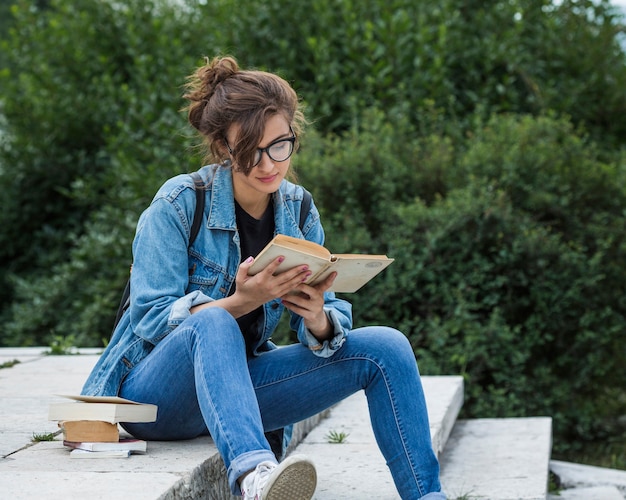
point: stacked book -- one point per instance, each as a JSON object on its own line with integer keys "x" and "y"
{"x": 90, "y": 425}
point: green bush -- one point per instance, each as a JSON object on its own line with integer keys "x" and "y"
{"x": 94, "y": 129}
{"x": 485, "y": 291}
{"x": 358, "y": 177}
{"x": 521, "y": 56}
{"x": 509, "y": 256}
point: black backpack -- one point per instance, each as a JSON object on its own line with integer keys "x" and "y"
{"x": 195, "y": 228}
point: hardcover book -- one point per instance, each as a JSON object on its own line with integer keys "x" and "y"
{"x": 102, "y": 408}
{"x": 89, "y": 430}
{"x": 100, "y": 454}
{"x": 124, "y": 444}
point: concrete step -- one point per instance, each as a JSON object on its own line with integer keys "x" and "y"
{"x": 590, "y": 493}
{"x": 598, "y": 483}
{"x": 28, "y": 387}
{"x": 498, "y": 459}
{"x": 170, "y": 470}
{"x": 355, "y": 468}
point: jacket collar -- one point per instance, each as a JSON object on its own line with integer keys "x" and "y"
{"x": 222, "y": 208}
{"x": 222, "y": 205}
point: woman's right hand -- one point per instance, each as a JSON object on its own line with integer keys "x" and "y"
{"x": 254, "y": 291}
{"x": 265, "y": 286}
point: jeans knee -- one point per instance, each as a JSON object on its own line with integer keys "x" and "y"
{"x": 213, "y": 314}
{"x": 387, "y": 344}
{"x": 214, "y": 324}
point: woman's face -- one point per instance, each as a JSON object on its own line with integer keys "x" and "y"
{"x": 266, "y": 176}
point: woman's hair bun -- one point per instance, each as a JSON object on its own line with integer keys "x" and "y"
{"x": 215, "y": 72}
{"x": 202, "y": 84}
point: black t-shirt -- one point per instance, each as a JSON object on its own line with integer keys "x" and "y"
{"x": 254, "y": 234}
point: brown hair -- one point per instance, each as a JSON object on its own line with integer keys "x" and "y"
{"x": 221, "y": 95}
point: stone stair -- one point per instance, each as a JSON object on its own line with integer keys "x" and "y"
{"x": 357, "y": 469}
{"x": 495, "y": 459}
{"x": 486, "y": 459}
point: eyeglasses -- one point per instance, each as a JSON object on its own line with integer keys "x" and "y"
{"x": 279, "y": 150}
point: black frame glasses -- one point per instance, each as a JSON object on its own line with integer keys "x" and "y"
{"x": 276, "y": 154}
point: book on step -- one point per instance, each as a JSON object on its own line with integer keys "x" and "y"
{"x": 89, "y": 430}
{"x": 100, "y": 454}
{"x": 124, "y": 444}
{"x": 103, "y": 408}
{"x": 353, "y": 270}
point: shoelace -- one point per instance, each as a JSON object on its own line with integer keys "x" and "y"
{"x": 259, "y": 478}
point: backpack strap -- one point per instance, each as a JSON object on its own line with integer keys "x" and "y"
{"x": 124, "y": 303}
{"x": 200, "y": 197}
{"x": 193, "y": 233}
{"x": 305, "y": 207}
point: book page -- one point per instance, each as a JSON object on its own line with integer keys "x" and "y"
{"x": 301, "y": 245}
{"x": 354, "y": 271}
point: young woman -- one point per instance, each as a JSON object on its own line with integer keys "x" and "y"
{"x": 196, "y": 338}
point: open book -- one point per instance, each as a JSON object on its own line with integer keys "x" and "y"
{"x": 353, "y": 270}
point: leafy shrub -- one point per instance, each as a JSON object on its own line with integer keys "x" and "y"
{"x": 484, "y": 291}
{"x": 519, "y": 56}
{"x": 357, "y": 178}
{"x": 93, "y": 131}
{"x": 488, "y": 283}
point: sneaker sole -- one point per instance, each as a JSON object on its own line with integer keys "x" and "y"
{"x": 295, "y": 478}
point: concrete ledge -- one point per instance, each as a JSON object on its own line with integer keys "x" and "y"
{"x": 586, "y": 476}
{"x": 444, "y": 399}
{"x": 594, "y": 493}
{"x": 169, "y": 471}
{"x": 356, "y": 468}
{"x": 498, "y": 459}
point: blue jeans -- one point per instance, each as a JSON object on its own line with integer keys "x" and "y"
{"x": 203, "y": 382}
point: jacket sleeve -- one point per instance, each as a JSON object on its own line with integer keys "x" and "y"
{"x": 159, "y": 277}
{"x": 339, "y": 311}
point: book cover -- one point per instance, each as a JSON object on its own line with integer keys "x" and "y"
{"x": 124, "y": 444}
{"x": 100, "y": 454}
{"x": 106, "y": 409}
{"x": 89, "y": 430}
{"x": 353, "y": 270}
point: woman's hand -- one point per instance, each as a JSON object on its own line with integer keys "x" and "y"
{"x": 254, "y": 291}
{"x": 308, "y": 302}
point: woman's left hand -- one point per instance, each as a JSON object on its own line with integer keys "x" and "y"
{"x": 308, "y": 302}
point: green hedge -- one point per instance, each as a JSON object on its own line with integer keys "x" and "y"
{"x": 509, "y": 264}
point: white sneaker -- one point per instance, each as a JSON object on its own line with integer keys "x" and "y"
{"x": 293, "y": 479}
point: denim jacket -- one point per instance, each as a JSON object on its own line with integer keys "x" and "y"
{"x": 168, "y": 278}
